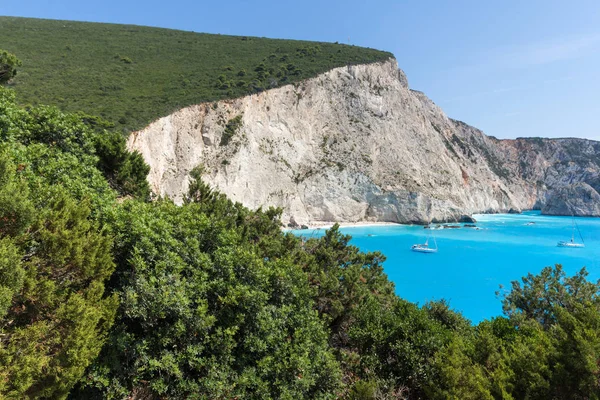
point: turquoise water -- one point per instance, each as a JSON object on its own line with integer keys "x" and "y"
{"x": 470, "y": 264}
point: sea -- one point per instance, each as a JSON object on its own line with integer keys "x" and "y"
{"x": 474, "y": 266}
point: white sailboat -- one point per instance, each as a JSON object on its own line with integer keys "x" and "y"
{"x": 424, "y": 247}
{"x": 572, "y": 242}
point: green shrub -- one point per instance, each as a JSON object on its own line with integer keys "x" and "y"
{"x": 8, "y": 66}
{"x": 231, "y": 128}
{"x": 55, "y": 255}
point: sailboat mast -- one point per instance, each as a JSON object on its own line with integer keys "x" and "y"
{"x": 572, "y": 243}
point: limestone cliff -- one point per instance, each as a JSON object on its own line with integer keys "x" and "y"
{"x": 578, "y": 199}
{"x": 356, "y": 144}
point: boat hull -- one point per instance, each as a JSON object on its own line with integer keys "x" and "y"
{"x": 570, "y": 244}
{"x": 420, "y": 249}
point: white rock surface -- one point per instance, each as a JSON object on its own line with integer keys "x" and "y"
{"x": 355, "y": 144}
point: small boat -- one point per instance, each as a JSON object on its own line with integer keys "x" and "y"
{"x": 572, "y": 243}
{"x": 424, "y": 247}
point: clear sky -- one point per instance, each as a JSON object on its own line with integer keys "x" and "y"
{"x": 511, "y": 68}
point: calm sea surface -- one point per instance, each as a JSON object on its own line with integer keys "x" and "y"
{"x": 471, "y": 264}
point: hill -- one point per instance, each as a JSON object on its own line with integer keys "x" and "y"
{"x": 132, "y": 75}
{"x": 356, "y": 144}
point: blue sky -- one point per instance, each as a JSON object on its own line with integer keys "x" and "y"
{"x": 511, "y": 68}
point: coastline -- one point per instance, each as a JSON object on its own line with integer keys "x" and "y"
{"x": 328, "y": 225}
{"x": 314, "y": 225}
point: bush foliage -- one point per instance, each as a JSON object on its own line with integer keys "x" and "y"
{"x": 8, "y": 66}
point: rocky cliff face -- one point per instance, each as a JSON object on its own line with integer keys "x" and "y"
{"x": 356, "y": 144}
{"x": 578, "y": 199}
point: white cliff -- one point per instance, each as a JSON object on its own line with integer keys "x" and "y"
{"x": 353, "y": 144}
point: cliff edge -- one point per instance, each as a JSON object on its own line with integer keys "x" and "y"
{"x": 356, "y": 144}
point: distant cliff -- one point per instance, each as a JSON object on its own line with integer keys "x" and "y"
{"x": 356, "y": 144}
{"x": 578, "y": 199}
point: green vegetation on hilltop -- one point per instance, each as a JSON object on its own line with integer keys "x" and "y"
{"x": 132, "y": 75}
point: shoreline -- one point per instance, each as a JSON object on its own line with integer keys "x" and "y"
{"x": 328, "y": 225}
{"x": 316, "y": 225}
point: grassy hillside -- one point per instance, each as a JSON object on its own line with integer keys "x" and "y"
{"x": 132, "y": 75}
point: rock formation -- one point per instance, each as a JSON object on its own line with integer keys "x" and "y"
{"x": 356, "y": 144}
{"x": 579, "y": 199}
{"x": 468, "y": 219}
